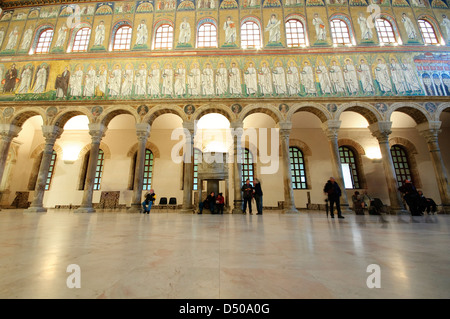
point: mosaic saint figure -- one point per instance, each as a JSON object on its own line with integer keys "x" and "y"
{"x": 336, "y": 77}
{"x": 235, "y": 79}
{"x": 382, "y": 76}
{"x": 273, "y": 27}
{"x": 324, "y": 78}
{"x": 62, "y": 83}
{"x": 307, "y": 79}
{"x": 194, "y": 80}
{"x": 350, "y": 77}
{"x": 208, "y": 80}
{"x": 230, "y": 31}
{"x": 101, "y": 81}
{"x": 319, "y": 26}
{"x": 128, "y": 77}
{"x": 279, "y": 79}
{"x": 76, "y": 82}
{"x": 154, "y": 77}
{"x": 409, "y": 26}
{"x": 365, "y": 77}
{"x": 89, "y": 82}
{"x": 397, "y": 76}
{"x": 142, "y": 33}
{"x": 265, "y": 79}
{"x": 62, "y": 34}
{"x": 12, "y": 40}
{"x": 26, "y": 40}
{"x": 293, "y": 80}
{"x": 250, "y": 79}
{"x": 140, "y": 80}
{"x": 99, "y": 34}
{"x": 25, "y": 80}
{"x": 115, "y": 81}
{"x": 41, "y": 80}
{"x": 221, "y": 80}
{"x": 167, "y": 80}
{"x": 180, "y": 80}
{"x": 366, "y": 31}
{"x": 185, "y": 32}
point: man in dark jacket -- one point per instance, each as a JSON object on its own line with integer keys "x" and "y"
{"x": 247, "y": 190}
{"x": 411, "y": 197}
{"x": 258, "y": 196}
{"x": 334, "y": 193}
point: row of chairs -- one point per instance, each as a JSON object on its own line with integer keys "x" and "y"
{"x": 172, "y": 201}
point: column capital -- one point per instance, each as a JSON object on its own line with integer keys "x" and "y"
{"x": 381, "y": 130}
{"x": 237, "y": 124}
{"x": 285, "y": 128}
{"x": 142, "y": 130}
{"x": 9, "y": 131}
{"x": 430, "y": 130}
{"x": 97, "y": 131}
{"x": 51, "y": 132}
{"x": 331, "y": 128}
{"x": 190, "y": 126}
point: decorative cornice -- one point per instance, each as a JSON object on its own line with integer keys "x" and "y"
{"x": 37, "y": 3}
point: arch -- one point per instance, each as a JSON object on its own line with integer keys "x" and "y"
{"x": 158, "y": 110}
{"x": 37, "y": 35}
{"x": 417, "y": 112}
{"x": 410, "y": 152}
{"x": 443, "y": 107}
{"x": 347, "y": 21}
{"x": 393, "y": 23}
{"x": 110, "y": 113}
{"x": 152, "y": 147}
{"x": 199, "y": 38}
{"x": 213, "y": 108}
{"x": 301, "y": 145}
{"x": 25, "y": 114}
{"x": 61, "y": 119}
{"x": 40, "y": 148}
{"x": 302, "y": 20}
{"x": 118, "y": 25}
{"x": 104, "y": 147}
{"x": 74, "y": 32}
{"x": 365, "y": 109}
{"x": 255, "y": 20}
{"x": 271, "y": 111}
{"x": 317, "y": 109}
{"x": 434, "y": 24}
{"x": 355, "y": 145}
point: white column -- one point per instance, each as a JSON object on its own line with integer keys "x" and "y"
{"x": 331, "y": 129}
{"x": 188, "y": 182}
{"x": 97, "y": 131}
{"x": 238, "y": 129}
{"x": 142, "y": 132}
{"x": 51, "y": 134}
{"x": 289, "y": 202}
{"x": 430, "y": 131}
{"x": 7, "y": 133}
{"x": 382, "y": 130}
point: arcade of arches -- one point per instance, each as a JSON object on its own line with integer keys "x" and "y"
{"x": 328, "y": 108}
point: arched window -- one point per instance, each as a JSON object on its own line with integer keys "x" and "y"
{"x": 348, "y": 160}
{"x": 197, "y": 154}
{"x": 247, "y": 166}
{"x": 51, "y": 170}
{"x": 428, "y": 32}
{"x": 98, "y": 170}
{"x": 44, "y": 41}
{"x": 385, "y": 31}
{"x": 163, "y": 37}
{"x": 297, "y": 168}
{"x": 401, "y": 164}
{"x": 122, "y": 38}
{"x": 207, "y": 36}
{"x": 250, "y": 35}
{"x": 295, "y": 33}
{"x": 148, "y": 170}
{"x": 340, "y": 32}
{"x": 81, "y": 40}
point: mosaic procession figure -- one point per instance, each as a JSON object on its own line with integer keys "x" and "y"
{"x": 397, "y": 76}
{"x": 265, "y": 80}
{"x": 350, "y": 77}
{"x": 115, "y": 81}
{"x": 180, "y": 80}
{"x": 41, "y": 80}
{"x": 324, "y": 78}
{"x": 221, "y": 80}
{"x": 62, "y": 34}
{"x": 307, "y": 79}
{"x": 89, "y": 82}
{"x": 12, "y": 40}
{"x": 194, "y": 80}
{"x": 279, "y": 79}
{"x": 25, "y": 80}
{"x": 250, "y": 79}
{"x": 101, "y": 81}
{"x": 382, "y": 76}
{"x": 293, "y": 80}
{"x": 412, "y": 83}
{"x": 235, "y": 79}
{"x": 154, "y": 78}
{"x": 208, "y": 80}
{"x": 76, "y": 82}
{"x": 127, "y": 85}
{"x": 167, "y": 85}
{"x": 140, "y": 80}
{"x": 26, "y": 40}
{"x": 337, "y": 79}
{"x": 366, "y": 77}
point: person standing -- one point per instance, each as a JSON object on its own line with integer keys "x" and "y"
{"x": 220, "y": 202}
{"x": 334, "y": 193}
{"x": 148, "y": 202}
{"x": 258, "y": 197}
{"x": 211, "y": 200}
{"x": 248, "y": 190}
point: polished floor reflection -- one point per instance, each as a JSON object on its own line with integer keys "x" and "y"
{"x": 172, "y": 255}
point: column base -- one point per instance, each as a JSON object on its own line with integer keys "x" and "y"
{"x": 237, "y": 211}
{"x": 134, "y": 209}
{"x": 35, "y": 210}
{"x": 187, "y": 211}
{"x": 290, "y": 210}
{"x": 84, "y": 210}
{"x": 445, "y": 209}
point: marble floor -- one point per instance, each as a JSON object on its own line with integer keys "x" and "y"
{"x": 172, "y": 255}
